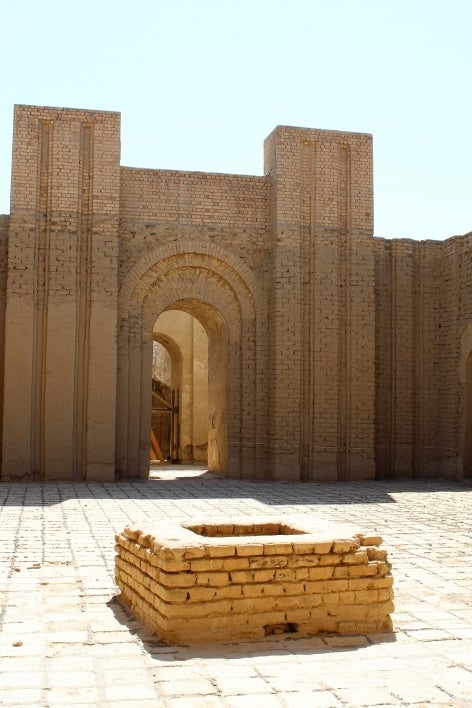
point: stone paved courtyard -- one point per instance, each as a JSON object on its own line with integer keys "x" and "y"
{"x": 66, "y": 641}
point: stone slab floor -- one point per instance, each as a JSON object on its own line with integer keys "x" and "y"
{"x": 65, "y": 642}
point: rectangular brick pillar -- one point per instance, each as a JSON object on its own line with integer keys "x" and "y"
{"x": 322, "y": 322}
{"x": 60, "y": 330}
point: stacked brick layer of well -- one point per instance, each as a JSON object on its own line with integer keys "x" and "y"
{"x": 232, "y": 589}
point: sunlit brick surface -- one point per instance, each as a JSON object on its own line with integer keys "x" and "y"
{"x": 231, "y": 581}
{"x": 332, "y": 355}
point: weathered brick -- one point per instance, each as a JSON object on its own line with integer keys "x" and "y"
{"x": 93, "y": 253}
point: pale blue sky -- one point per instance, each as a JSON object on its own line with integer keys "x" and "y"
{"x": 201, "y": 83}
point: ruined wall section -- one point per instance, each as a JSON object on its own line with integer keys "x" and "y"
{"x": 339, "y": 348}
{"x": 456, "y": 344}
{"x": 450, "y": 336}
{"x": 4, "y": 223}
{"x": 465, "y": 356}
{"x": 413, "y": 334}
{"x": 164, "y": 206}
{"x": 60, "y": 356}
{"x": 322, "y": 304}
{"x": 424, "y": 338}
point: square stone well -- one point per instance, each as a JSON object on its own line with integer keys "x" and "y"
{"x": 233, "y": 581}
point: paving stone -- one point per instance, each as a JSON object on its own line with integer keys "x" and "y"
{"x": 365, "y": 695}
{"x": 10, "y": 681}
{"x": 21, "y": 697}
{"x": 250, "y": 701}
{"x": 187, "y": 687}
{"x": 67, "y": 679}
{"x": 81, "y": 648}
{"x": 243, "y": 686}
{"x": 130, "y": 691}
{"x": 320, "y": 699}
{"x": 67, "y": 695}
{"x": 196, "y": 702}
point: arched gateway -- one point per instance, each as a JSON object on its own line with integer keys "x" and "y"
{"x": 216, "y": 288}
{"x": 332, "y": 355}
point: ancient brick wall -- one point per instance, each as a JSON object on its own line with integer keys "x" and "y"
{"x": 408, "y": 310}
{"x": 423, "y": 321}
{"x": 162, "y": 206}
{"x": 331, "y": 354}
{"x": 456, "y": 347}
{"x": 4, "y": 223}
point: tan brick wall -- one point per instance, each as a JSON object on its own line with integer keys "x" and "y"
{"x": 4, "y": 222}
{"x": 331, "y": 354}
{"x": 60, "y": 354}
{"x": 322, "y": 315}
{"x": 423, "y": 316}
{"x": 456, "y": 347}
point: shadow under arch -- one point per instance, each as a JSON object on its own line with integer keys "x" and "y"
{"x": 167, "y": 438}
{"x": 214, "y": 293}
{"x": 217, "y": 333}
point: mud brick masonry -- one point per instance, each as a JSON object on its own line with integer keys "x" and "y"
{"x": 234, "y": 581}
{"x": 331, "y": 354}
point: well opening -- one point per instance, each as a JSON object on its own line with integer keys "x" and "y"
{"x": 229, "y": 530}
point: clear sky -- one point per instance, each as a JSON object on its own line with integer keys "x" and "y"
{"x": 201, "y": 83}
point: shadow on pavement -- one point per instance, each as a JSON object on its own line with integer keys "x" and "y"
{"x": 190, "y": 484}
{"x": 283, "y": 644}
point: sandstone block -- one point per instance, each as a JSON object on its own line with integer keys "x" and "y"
{"x": 355, "y": 558}
{"x": 251, "y": 549}
{"x": 213, "y": 579}
{"x": 330, "y": 559}
{"x": 277, "y": 549}
{"x": 374, "y": 553}
{"x": 217, "y": 551}
{"x": 304, "y": 561}
{"x": 268, "y": 562}
{"x": 232, "y": 564}
{"x": 207, "y": 564}
{"x": 345, "y": 546}
{"x": 321, "y": 573}
{"x": 370, "y": 540}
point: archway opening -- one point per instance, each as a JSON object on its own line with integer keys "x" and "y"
{"x": 164, "y": 430}
{"x": 467, "y": 461}
{"x": 189, "y": 367}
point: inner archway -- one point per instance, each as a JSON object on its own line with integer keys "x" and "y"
{"x": 180, "y": 387}
{"x": 467, "y": 460}
{"x": 165, "y": 438}
{"x": 198, "y": 332}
